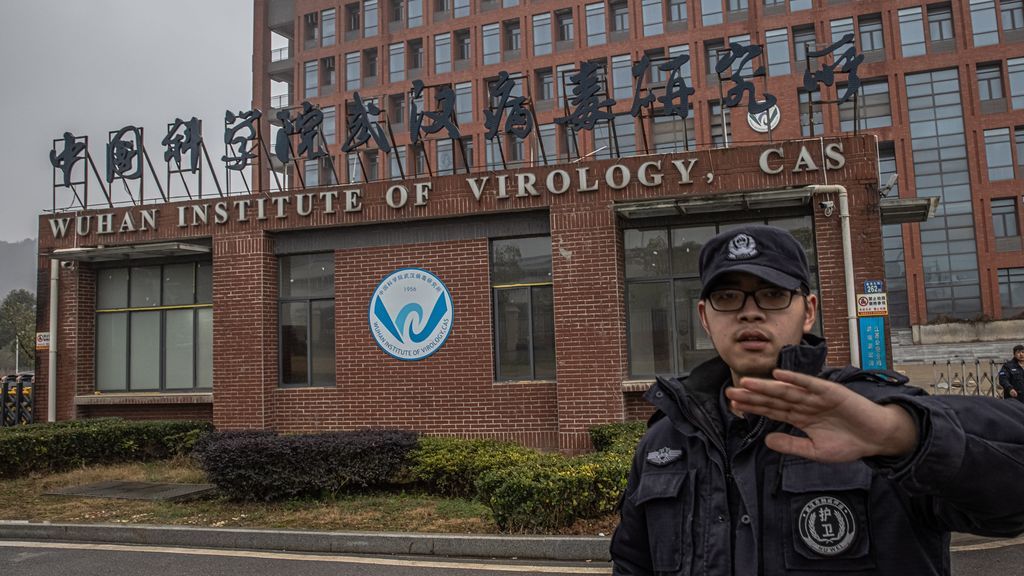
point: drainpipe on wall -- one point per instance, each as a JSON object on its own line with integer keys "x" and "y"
{"x": 51, "y": 367}
{"x": 851, "y": 291}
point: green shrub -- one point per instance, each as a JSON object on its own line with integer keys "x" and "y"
{"x": 42, "y": 448}
{"x": 451, "y": 466}
{"x": 553, "y": 492}
{"x": 618, "y": 436}
{"x": 260, "y": 465}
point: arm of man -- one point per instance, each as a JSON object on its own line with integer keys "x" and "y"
{"x": 940, "y": 452}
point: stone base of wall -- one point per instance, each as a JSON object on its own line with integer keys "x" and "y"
{"x": 993, "y": 331}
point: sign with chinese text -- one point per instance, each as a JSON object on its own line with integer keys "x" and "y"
{"x": 872, "y": 343}
{"x": 872, "y": 304}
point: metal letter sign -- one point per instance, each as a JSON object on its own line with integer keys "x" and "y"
{"x": 124, "y": 154}
{"x": 361, "y": 127}
{"x": 237, "y": 155}
{"x": 444, "y": 117}
{"x": 73, "y": 152}
{"x": 741, "y": 85}
{"x": 306, "y": 124}
{"x": 519, "y": 121}
{"x": 190, "y": 142}
{"x": 589, "y": 109}
{"x": 850, "y": 60}
{"x": 675, "y": 88}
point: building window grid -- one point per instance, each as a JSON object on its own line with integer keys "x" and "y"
{"x": 940, "y": 23}
{"x": 1004, "y": 217}
{"x": 442, "y": 53}
{"x": 117, "y": 298}
{"x": 873, "y": 109}
{"x": 328, "y": 34}
{"x": 872, "y": 37}
{"x": 990, "y": 82}
{"x": 596, "y": 27}
{"x": 541, "y": 34}
{"x": 677, "y": 11}
{"x": 984, "y": 27}
{"x": 777, "y": 52}
{"x": 523, "y": 307}
{"x": 1011, "y": 292}
{"x": 619, "y": 16}
{"x": 912, "y": 32}
{"x": 948, "y": 246}
{"x": 1012, "y": 14}
{"x": 306, "y": 320}
{"x": 653, "y": 17}
{"x": 998, "y": 154}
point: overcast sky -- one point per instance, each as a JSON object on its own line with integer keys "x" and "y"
{"x": 92, "y": 66}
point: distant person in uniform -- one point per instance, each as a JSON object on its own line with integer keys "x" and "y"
{"x": 763, "y": 462}
{"x": 1011, "y": 375}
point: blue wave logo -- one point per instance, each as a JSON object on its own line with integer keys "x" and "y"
{"x": 401, "y": 326}
{"x": 424, "y": 314}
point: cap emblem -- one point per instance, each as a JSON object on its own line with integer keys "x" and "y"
{"x": 742, "y": 247}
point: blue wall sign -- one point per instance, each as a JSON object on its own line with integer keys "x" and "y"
{"x": 873, "y": 287}
{"x": 411, "y": 314}
{"x": 872, "y": 343}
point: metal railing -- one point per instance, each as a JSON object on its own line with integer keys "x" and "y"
{"x": 967, "y": 377}
{"x": 16, "y": 402}
{"x": 280, "y": 101}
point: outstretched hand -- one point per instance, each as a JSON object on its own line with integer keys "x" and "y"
{"x": 841, "y": 425}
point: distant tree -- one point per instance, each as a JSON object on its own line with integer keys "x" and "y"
{"x": 18, "y": 321}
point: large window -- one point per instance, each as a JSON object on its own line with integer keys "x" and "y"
{"x": 312, "y": 78}
{"x": 663, "y": 288}
{"x": 1004, "y": 218}
{"x": 1011, "y": 291}
{"x": 328, "y": 28}
{"x": 777, "y": 49}
{"x": 596, "y": 30}
{"x": 306, "y": 319}
{"x": 542, "y": 34}
{"x": 871, "y": 37}
{"x": 492, "y": 44}
{"x": 524, "y": 319}
{"x": 948, "y": 247}
{"x": 983, "y": 22}
{"x": 871, "y": 106}
{"x": 912, "y": 32}
{"x": 443, "y": 53}
{"x": 154, "y": 328}
{"x": 940, "y": 23}
{"x": 654, "y": 20}
{"x": 999, "y": 154}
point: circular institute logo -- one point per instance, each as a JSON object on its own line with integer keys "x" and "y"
{"x": 411, "y": 314}
{"x": 827, "y": 526}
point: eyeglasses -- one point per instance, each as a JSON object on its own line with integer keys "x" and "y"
{"x": 732, "y": 300}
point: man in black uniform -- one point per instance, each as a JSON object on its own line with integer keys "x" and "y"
{"x": 762, "y": 462}
{"x": 1011, "y": 375}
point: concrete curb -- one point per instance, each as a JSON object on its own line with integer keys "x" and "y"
{"x": 568, "y": 548}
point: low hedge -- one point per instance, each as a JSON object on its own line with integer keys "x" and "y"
{"x": 43, "y": 448}
{"x": 618, "y": 436}
{"x": 265, "y": 466}
{"x": 527, "y": 490}
{"x": 452, "y": 466}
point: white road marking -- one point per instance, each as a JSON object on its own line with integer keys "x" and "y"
{"x": 311, "y": 558}
{"x": 988, "y": 545}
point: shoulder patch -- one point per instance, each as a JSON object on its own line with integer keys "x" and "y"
{"x": 664, "y": 456}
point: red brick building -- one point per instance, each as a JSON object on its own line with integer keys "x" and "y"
{"x": 256, "y": 310}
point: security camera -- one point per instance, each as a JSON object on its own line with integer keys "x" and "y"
{"x": 67, "y": 264}
{"x": 826, "y": 204}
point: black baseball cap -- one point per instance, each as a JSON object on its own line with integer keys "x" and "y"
{"x": 769, "y": 253}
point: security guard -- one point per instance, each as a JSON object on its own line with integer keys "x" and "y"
{"x": 762, "y": 462}
{"x": 1011, "y": 375}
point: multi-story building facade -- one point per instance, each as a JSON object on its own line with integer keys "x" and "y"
{"x": 942, "y": 88}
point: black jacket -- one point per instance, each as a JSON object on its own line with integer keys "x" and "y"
{"x": 1011, "y": 376}
{"x": 699, "y": 501}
